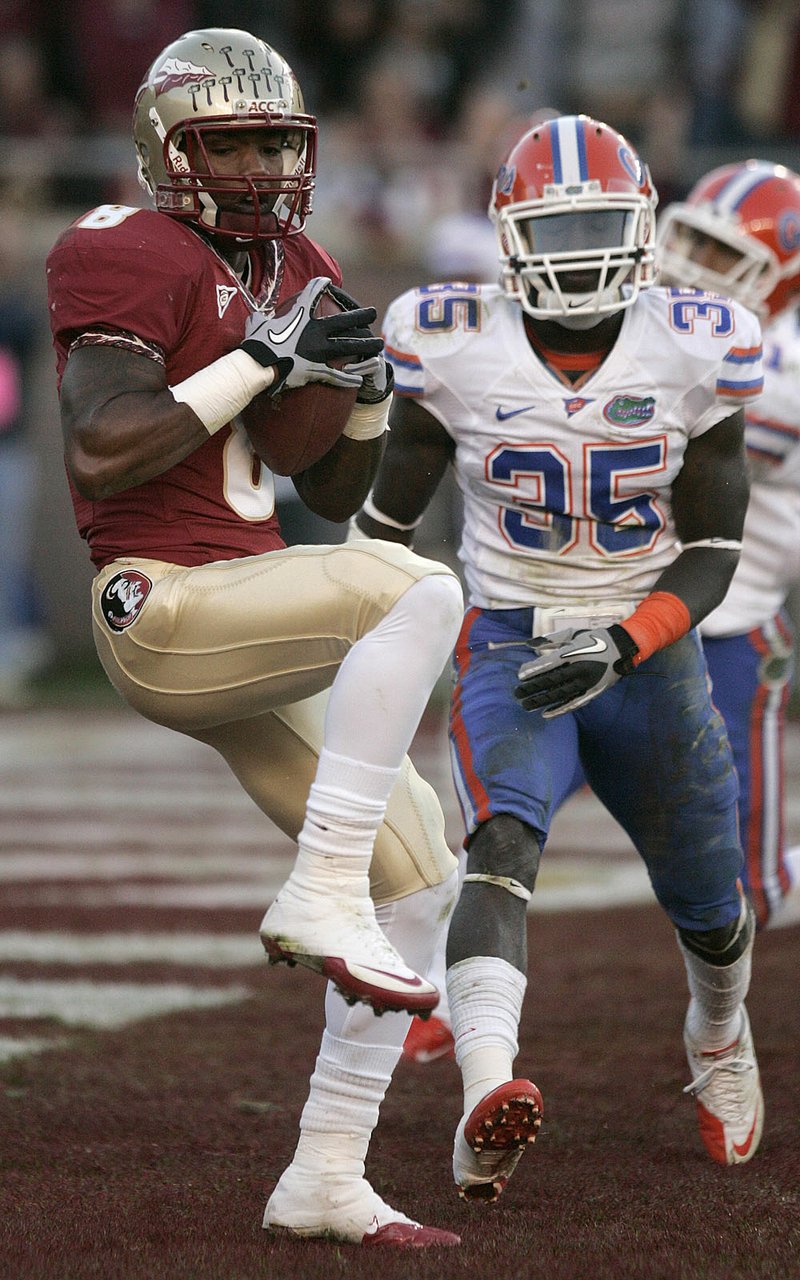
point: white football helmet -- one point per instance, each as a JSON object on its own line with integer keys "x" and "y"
{"x": 221, "y": 79}
{"x": 574, "y": 210}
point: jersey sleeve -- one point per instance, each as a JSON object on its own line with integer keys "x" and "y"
{"x": 401, "y": 346}
{"x": 118, "y": 278}
{"x": 739, "y": 377}
{"x": 773, "y": 424}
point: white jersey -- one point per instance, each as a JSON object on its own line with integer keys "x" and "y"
{"x": 770, "y": 562}
{"x": 567, "y": 493}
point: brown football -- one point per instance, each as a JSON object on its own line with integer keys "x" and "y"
{"x": 296, "y": 428}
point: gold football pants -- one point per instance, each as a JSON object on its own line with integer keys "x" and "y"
{"x": 240, "y": 654}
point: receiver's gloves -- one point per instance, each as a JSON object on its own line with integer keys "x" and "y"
{"x": 574, "y": 666}
{"x": 377, "y": 373}
{"x": 299, "y": 345}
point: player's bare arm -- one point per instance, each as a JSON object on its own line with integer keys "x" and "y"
{"x": 335, "y": 487}
{"x": 709, "y": 501}
{"x": 418, "y": 452}
{"x": 121, "y": 423}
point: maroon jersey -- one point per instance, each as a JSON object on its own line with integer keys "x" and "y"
{"x": 141, "y": 280}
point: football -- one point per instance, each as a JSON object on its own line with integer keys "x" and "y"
{"x": 296, "y": 428}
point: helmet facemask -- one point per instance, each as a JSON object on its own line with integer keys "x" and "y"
{"x": 752, "y": 275}
{"x": 248, "y": 207}
{"x": 574, "y": 211}
{"x": 576, "y": 258}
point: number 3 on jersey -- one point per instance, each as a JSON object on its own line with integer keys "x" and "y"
{"x": 540, "y": 511}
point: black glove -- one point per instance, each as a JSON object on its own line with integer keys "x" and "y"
{"x": 299, "y": 346}
{"x": 575, "y": 666}
{"x": 377, "y": 373}
{"x": 378, "y": 379}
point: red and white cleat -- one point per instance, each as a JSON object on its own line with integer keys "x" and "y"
{"x": 727, "y": 1090}
{"x": 491, "y": 1139}
{"x": 345, "y": 1209}
{"x": 341, "y": 939}
{"x": 428, "y": 1040}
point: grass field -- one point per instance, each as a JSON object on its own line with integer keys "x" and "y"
{"x": 153, "y": 1069}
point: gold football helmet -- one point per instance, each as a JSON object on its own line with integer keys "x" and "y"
{"x": 218, "y": 80}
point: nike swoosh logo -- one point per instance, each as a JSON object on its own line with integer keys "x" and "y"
{"x": 396, "y": 977}
{"x": 597, "y": 646}
{"x": 503, "y": 414}
{"x": 283, "y": 335}
{"x": 742, "y": 1148}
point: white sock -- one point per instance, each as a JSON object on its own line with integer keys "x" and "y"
{"x": 346, "y": 1090}
{"x": 485, "y": 995}
{"x": 346, "y": 805}
{"x": 437, "y": 970}
{"x": 717, "y": 993}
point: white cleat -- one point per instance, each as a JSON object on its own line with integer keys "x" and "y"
{"x": 344, "y": 1209}
{"x": 727, "y": 1089}
{"x": 491, "y": 1139}
{"x": 341, "y": 939}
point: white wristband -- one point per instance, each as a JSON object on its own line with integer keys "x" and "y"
{"x": 372, "y": 511}
{"x": 221, "y": 390}
{"x": 368, "y": 420}
{"x": 714, "y": 544}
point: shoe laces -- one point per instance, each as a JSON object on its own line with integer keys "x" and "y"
{"x": 721, "y": 1069}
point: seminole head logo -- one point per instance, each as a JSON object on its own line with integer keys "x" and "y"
{"x": 629, "y": 411}
{"x": 122, "y": 598}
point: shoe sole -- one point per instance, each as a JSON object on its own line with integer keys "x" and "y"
{"x": 395, "y": 1235}
{"x": 358, "y": 989}
{"x": 507, "y": 1119}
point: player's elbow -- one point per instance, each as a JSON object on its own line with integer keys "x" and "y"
{"x": 94, "y": 477}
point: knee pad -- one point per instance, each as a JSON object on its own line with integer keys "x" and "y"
{"x": 411, "y": 851}
{"x": 505, "y": 852}
{"x": 723, "y": 946}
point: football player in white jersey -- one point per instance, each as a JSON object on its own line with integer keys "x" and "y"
{"x": 738, "y": 234}
{"x": 596, "y": 429}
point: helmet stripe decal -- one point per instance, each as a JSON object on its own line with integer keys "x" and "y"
{"x": 580, "y": 137}
{"x": 555, "y": 143}
{"x": 569, "y": 150}
{"x": 740, "y": 187}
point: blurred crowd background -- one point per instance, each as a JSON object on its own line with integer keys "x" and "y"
{"x": 417, "y": 101}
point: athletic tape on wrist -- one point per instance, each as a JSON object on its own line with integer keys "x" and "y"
{"x": 368, "y": 420}
{"x": 658, "y": 621}
{"x": 502, "y": 882}
{"x": 372, "y": 511}
{"x": 221, "y": 390}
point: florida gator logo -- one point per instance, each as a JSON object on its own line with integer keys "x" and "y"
{"x": 629, "y": 411}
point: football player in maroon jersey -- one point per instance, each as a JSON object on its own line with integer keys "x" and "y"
{"x": 307, "y": 669}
